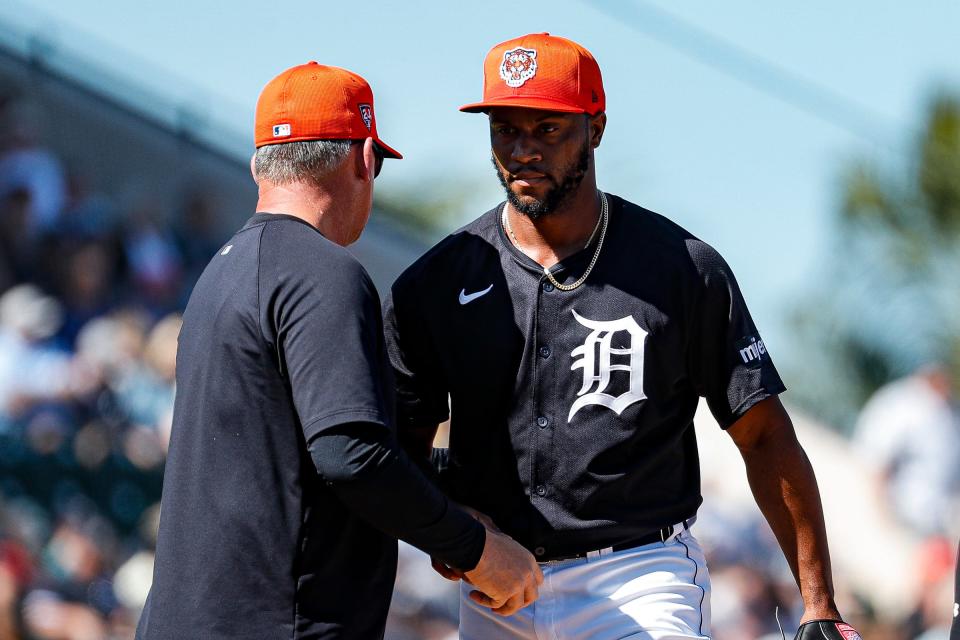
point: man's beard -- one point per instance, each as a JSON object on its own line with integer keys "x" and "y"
{"x": 555, "y": 197}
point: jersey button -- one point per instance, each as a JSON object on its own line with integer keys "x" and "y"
{"x": 541, "y": 490}
{"x": 544, "y": 351}
{"x": 543, "y": 421}
{"x": 547, "y": 287}
{"x": 539, "y": 551}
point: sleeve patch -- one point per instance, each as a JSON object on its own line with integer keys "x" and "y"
{"x": 751, "y": 351}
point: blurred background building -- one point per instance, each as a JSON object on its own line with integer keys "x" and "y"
{"x": 114, "y": 194}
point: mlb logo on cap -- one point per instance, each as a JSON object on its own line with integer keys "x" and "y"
{"x": 281, "y": 130}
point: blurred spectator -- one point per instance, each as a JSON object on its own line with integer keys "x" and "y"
{"x": 146, "y": 393}
{"x": 197, "y": 233}
{"x": 955, "y": 625}
{"x": 25, "y": 164}
{"x": 110, "y": 346}
{"x": 752, "y": 583}
{"x": 85, "y": 277}
{"x": 30, "y": 371}
{"x": 932, "y": 614}
{"x": 744, "y": 603}
{"x": 17, "y": 246}
{"x": 87, "y": 215}
{"x": 15, "y": 573}
{"x": 909, "y": 433}
{"x": 154, "y": 261}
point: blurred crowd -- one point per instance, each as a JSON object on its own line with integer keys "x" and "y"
{"x": 906, "y": 447}
{"x": 90, "y": 297}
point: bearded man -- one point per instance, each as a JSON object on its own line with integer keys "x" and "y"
{"x": 574, "y": 333}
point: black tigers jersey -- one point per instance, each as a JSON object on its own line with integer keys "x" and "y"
{"x": 572, "y": 411}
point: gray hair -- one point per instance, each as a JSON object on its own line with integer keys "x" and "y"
{"x": 302, "y": 161}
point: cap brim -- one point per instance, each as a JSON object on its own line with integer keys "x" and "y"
{"x": 388, "y": 152}
{"x": 523, "y": 102}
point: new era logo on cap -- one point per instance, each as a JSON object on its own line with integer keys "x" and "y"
{"x": 281, "y": 130}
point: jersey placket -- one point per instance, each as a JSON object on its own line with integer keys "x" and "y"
{"x": 544, "y": 375}
{"x": 539, "y": 415}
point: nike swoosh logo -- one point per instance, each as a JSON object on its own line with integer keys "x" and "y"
{"x": 466, "y": 298}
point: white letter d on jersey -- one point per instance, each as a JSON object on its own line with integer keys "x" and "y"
{"x": 594, "y": 357}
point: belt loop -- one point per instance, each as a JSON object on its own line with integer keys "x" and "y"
{"x": 665, "y": 533}
{"x": 598, "y": 553}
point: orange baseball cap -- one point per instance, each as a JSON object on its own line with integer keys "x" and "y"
{"x": 541, "y": 71}
{"x": 316, "y": 102}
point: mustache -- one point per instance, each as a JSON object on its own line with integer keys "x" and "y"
{"x": 526, "y": 172}
{"x": 512, "y": 173}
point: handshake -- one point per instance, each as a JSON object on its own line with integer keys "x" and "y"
{"x": 507, "y": 578}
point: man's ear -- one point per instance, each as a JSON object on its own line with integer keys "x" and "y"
{"x": 597, "y": 124}
{"x": 366, "y": 161}
{"x": 253, "y": 167}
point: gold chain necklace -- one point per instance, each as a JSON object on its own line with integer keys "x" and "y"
{"x": 601, "y": 224}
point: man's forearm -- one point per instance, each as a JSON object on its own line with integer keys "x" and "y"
{"x": 785, "y": 488}
{"x": 380, "y": 484}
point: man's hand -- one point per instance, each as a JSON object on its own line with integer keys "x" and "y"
{"x": 507, "y": 577}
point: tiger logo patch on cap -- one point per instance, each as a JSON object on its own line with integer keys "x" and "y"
{"x": 518, "y": 66}
{"x": 366, "y": 112}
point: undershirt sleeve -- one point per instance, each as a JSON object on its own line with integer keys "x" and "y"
{"x": 366, "y": 471}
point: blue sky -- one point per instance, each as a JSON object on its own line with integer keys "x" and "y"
{"x": 743, "y": 169}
